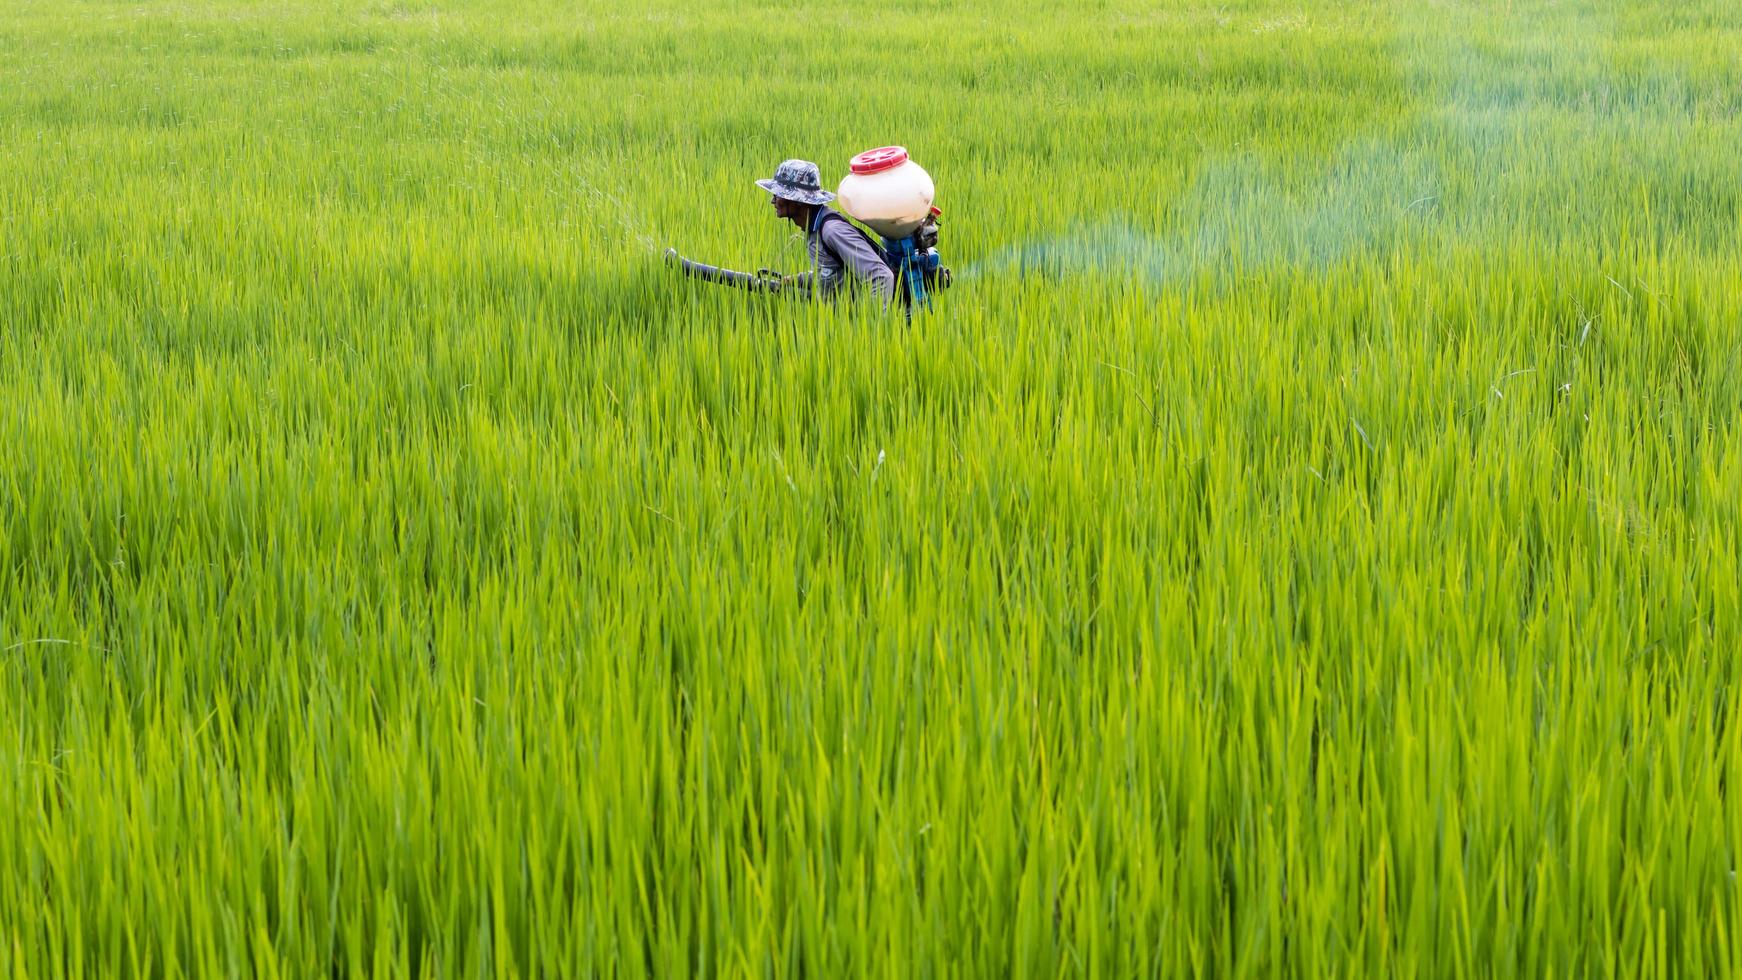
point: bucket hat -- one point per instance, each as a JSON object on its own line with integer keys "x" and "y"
{"x": 797, "y": 180}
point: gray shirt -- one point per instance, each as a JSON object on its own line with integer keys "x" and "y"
{"x": 841, "y": 254}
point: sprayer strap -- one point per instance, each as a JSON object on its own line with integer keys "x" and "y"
{"x": 822, "y": 218}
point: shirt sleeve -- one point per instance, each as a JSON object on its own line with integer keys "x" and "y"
{"x": 859, "y": 258}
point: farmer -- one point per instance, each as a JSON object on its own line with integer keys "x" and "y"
{"x": 839, "y": 251}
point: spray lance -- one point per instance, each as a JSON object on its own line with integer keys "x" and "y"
{"x": 760, "y": 281}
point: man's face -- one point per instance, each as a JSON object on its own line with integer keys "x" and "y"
{"x": 790, "y": 210}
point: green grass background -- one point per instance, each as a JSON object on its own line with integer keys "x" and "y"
{"x": 1303, "y": 544}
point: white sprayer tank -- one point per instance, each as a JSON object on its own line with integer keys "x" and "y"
{"x": 888, "y": 192}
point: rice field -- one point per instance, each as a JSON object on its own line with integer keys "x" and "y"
{"x": 1303, "y": 542}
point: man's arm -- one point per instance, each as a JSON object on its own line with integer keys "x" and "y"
{"x": 860, "y": 259}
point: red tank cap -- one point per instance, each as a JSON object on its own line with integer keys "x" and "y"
{"x": 878, "y": 160}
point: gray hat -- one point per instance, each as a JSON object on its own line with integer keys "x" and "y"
{"x": 797, "y": 180}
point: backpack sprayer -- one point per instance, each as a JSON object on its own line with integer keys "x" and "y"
{"x": 892, "y": 196}
{"x": 888, "y": 193}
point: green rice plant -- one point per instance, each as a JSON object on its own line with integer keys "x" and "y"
{"x": 1303, "y": 543}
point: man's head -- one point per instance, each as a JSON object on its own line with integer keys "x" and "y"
{"x": 795, "y": 190}
{"x": 792, "y": 211}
